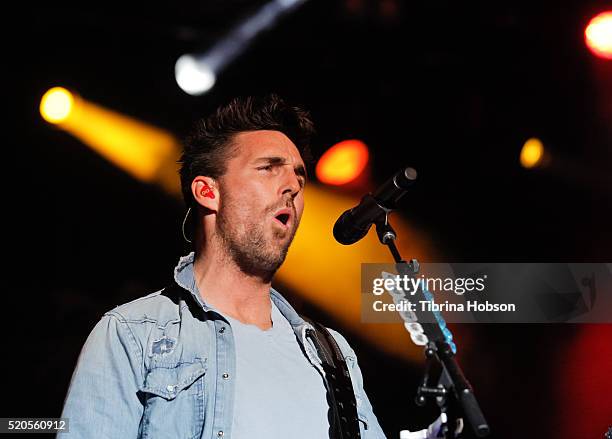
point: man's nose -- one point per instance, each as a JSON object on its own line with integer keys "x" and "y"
{"x": 291, "y": 183}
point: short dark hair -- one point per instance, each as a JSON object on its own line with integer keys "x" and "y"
{"x": 208, "y": 147}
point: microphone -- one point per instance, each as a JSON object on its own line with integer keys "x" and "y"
{"x": 354, "y": 223}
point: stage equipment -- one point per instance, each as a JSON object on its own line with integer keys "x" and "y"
{"x": 453, "y": 393}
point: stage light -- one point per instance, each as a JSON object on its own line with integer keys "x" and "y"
{"x": 343, "y": 162}
{"x": 532, "y": 153}
{"x": 146, "y": 152}
{"x": 598, "y": 35}
{"x": 56, "y": 105}
{"x": 150, "y": 154}
{"x": 193, "y": 76}
{"x": 197, "y": 73}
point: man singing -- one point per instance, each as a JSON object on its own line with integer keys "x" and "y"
{"x": 219, "y": 353}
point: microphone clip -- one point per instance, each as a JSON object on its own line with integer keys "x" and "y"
{"x": 384, "y": 230}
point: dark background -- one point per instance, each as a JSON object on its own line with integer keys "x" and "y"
{"x": 452, "y": 89}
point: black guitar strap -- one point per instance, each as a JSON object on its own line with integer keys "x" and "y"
{"x": 344, "y": 423}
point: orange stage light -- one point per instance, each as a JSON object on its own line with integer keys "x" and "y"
{"x": 343, "y": 162}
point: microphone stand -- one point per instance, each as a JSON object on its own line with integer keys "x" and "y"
{"x": 453, "y": 393}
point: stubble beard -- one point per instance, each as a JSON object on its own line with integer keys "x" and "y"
{"x": 243, "y": 239}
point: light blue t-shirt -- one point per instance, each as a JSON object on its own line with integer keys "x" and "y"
{"x": 279, "y": 394}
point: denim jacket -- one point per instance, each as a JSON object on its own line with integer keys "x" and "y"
{"x": 162, "y": 366}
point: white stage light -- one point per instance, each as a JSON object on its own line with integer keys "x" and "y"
{"x": 196, "y": 74}
{"x": 193, "y": 76}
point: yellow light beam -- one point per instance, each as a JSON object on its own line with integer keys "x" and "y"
{"x": 146, "y": 152}
{"x": 328, "y": 274}
{"x": 317, "y": 268}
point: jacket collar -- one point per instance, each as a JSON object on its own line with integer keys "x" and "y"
{"x": 184, "y": 277}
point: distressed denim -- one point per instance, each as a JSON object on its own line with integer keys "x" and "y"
{"x": 162, "y": 366}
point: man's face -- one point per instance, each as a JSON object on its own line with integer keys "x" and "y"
{"x": 261, "y": 200}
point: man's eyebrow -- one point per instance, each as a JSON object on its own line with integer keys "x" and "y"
{"x": 271, "y": 160}
{"x": 274, "y": 160}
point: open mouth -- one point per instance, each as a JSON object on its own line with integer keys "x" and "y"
{"x": 283, "y": 216}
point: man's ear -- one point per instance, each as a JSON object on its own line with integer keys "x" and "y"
{"x": 205, "y": 192}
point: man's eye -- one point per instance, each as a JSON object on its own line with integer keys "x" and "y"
{"x": 265, "y": 168}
